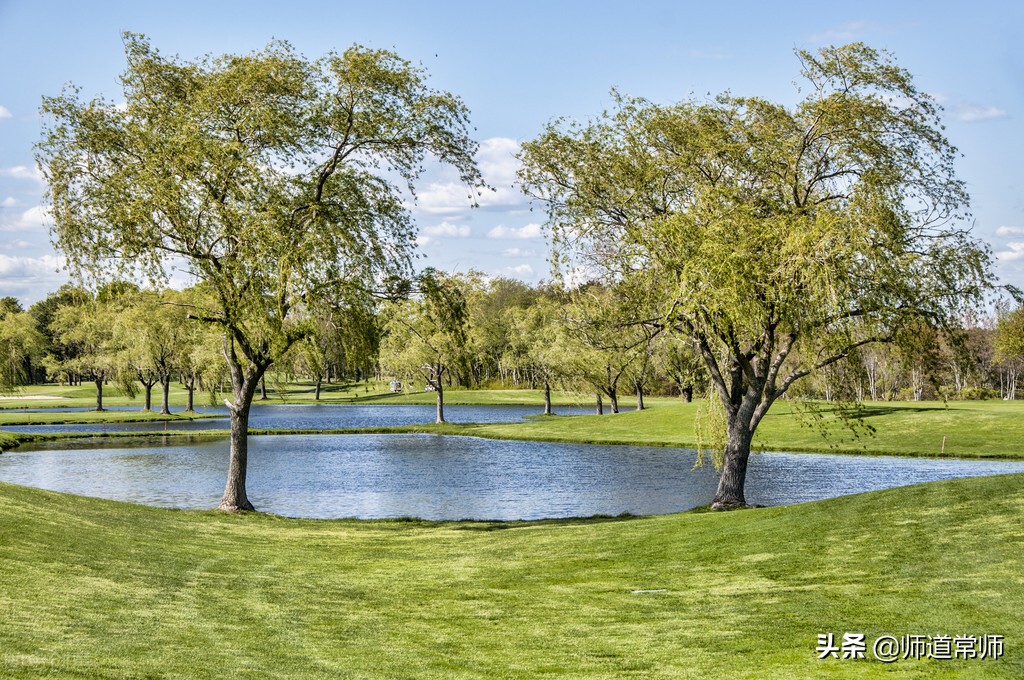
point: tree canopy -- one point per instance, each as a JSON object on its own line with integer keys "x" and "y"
{"x": 277, "y": 182}
{"x": 778, "y": 239}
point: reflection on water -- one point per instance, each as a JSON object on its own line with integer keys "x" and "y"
{"x": 439, "y": 477}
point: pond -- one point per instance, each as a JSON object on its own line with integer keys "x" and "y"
{"x": 320, "y": 417}
{"x": 448, "y": 478}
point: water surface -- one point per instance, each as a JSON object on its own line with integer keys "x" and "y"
{"x": 445, "y": 477}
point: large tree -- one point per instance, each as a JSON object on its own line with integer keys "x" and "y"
{"x": 267, "y": 177}
{"x": 779, "y": 238}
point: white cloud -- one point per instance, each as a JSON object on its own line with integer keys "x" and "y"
{"x": 1015, "y": 252}
{"x": 447, "y": 229}
{"x": 5, "y": 113}
{"x": 523, "y": 270}
{"x": 35, "y": 219}
{"x": 30, "y": 278}
{"x": 22, "y": 172}
{"x": 519, "y": 252}
{"x": 8, "y": 202}
{"x": 498, "y": 165}
{"x": 17, "y": 244}
{"x": 445, "y": 198}
{"x": 29, "y": 267}
{"x": 1010, "y": 231}
{"x": 972, "y": 113}
{"x": 532, "y": 230}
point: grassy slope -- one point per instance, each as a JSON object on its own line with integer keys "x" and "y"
{"x": 100, "y": 589}
{"x": 971, "y": 429}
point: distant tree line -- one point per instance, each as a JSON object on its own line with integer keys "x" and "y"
{"x": 468, "y": 331}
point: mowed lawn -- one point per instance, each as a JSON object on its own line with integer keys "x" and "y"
{"x": 955, "y": 428}
{"x": 958, "y": 428}
{"x": 92, "y": 588}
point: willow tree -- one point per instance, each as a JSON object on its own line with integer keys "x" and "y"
{"x": 778, "y": 238}
{"x": 269, "y": 178}
{"x": 425, "y": 335}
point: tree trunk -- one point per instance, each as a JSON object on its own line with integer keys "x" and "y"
{"x": 316, "y": 396}
{"x": 547, "y": 398}
{"x": 190, "y": 389}
{"x": 600, "y": 405}
{"x": 99, "y": 394}
{"x": 149, "y": 396}
{"x": 439, "y": 390}
{"x": 613, "y": 396}
{"x": 734, "y": 468}
{"x": 640, "y": 397}
{"x": 263, "y": 388}
{"x": 235, "y": 498}
{"x": 687, "y": 393}
{"x": 165, "y": 404}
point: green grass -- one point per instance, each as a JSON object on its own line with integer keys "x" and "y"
{"x": 58, "y": 417}
{"x": 971, "y": 429}
{"x": 94, "y": 588}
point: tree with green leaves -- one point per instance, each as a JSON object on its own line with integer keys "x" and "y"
{"x": 536, "y": 342}
{"x": 21, "y": 344}
{"x": 1010, "y": 348}
{"x": 425, "y": 335}
{"x": 267, "y": 177}
{"x": 778, "y": 238}
{"x": 90, "y": 347}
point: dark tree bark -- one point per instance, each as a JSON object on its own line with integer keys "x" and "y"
{"x": 263, "y": 388}
{"x": 244, "y": 383}
{"x": 600, "y": 405}
{"x": 730, "y": 495}
{"x": 687, "y": 393}
{"x": 99, "y": 394}
{"x": 190, "y": 388}
{"x": 316, "y": 395}
{"x": 547, "y": 398}
{"x": 148, "y": 394}
{"x": 640, "y": 396}
{"x": 165, "y": 403}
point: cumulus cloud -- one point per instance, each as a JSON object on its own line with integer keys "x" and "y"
{"x": 35, "y": 219}
{"x": 972, "y": 113}
{"x": 496, "y": 159}
{"x": 520, "y": 270}
{"x": 17, "y": 244}
{"x": 532, "y": 230}
{"x": 30, "y": 278}
{"x": 519, "y": 252}
{"x": 5, "y": 113}
{"x": 1010, "y": 231}
{"x": 8, "y": 202}
{"x": 1014, "y": 252}
{"x": 22, "y": 172}
{"x": 448, "y": 229}
{"x": 14, "y": 267}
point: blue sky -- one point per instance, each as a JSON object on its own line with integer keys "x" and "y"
{"x": 518, "y": 66}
